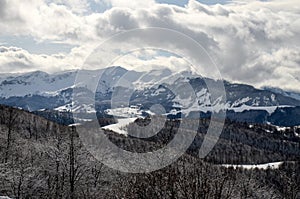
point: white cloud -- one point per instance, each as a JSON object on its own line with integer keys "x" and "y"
{"x": 252, "y": 41}
{"x": 76, "y": 6}
{"x": 135, "y": 4}
{"x": 44, "y": 20}
{"x": 149, "y": 59}
{"x": 13, "y": 59}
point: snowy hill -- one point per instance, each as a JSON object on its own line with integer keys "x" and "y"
{"x": 294, "y": 95}
{"x": 36, "y": 83}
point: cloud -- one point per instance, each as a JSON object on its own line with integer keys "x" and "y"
{"x": 135, "y": 4}
{"x": 235, "y": 35}
{"x": 62, "y": 21}
{"x": 76, "y": 6}
{"x": 148, "y": 59}
{"x": 252, "y": 42}
{"x": 13, "y": 59}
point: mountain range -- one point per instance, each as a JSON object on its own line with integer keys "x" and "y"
{"x": 39, "y": 92}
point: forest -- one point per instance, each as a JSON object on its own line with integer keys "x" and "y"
{"x": 43, "y": 159}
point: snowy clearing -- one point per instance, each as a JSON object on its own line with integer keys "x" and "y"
{"x": 269, "y": 109}
{"x": 273, "y": 165}
{"x": 119, "y": 127}
{"x": 128, "y": 112}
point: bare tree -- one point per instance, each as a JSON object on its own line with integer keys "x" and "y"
{"x": 11, "y": 119}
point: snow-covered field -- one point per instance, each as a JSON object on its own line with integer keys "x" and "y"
{"x": 269, "y": 109}
{"x": 126, "y": 112}
{"x": 120, "y": 126}
{"x": 273, "y": 165}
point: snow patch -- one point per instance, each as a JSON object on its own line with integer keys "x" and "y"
{"x": 241, "y": 101}
{"x": 269, "y": 109}
{"x": 120, "y": 126}
{"x": 126, "y": 112}
{"x": 273, "y": 165}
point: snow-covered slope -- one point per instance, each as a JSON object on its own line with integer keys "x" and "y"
{"x": 294, "y": 95}
{"x": 120, "y": 126}
{"x": 36, "y": 83}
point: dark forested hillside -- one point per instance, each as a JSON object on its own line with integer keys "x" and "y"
{"x": 42, "y": 159}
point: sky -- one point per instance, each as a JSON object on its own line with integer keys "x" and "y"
{"x": 254, "y": 42}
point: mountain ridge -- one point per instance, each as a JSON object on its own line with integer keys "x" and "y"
{"x": 38, "y": 90}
